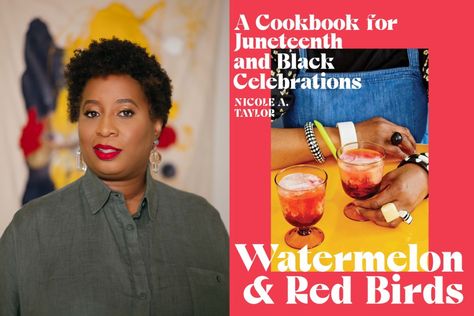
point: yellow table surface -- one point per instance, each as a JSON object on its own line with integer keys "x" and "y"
{"x": 344, "y": 235}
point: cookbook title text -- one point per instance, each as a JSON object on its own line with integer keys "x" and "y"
{"x": 387, "y": 287}
{"x": 266, "y": 55}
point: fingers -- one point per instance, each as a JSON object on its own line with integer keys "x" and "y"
{"x": 385, "y": 129}
{"x": 370, "y": 208}
{"x": 377, "y": 201}
{"x": 396, "y": 151}
{"x": 406, "y": 147}
{"x": 377, "y": 217}
{"x": 401, "y": 129}
{"x": 408, "y": 144}
{"x": 410, "y": 137}
{"x": 371, "y": 214}
{"x": 380, "y": 131}
{"x": 386, "y": 181}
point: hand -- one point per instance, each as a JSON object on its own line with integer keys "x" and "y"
{"x": 379, "y": 131}
{"x": 406, "y": 187}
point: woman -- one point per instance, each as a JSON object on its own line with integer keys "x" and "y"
{"x": 116, "y": 242}
{"x": 391, "y": 102}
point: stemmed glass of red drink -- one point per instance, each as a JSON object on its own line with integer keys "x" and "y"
{"x": 301, "y": 190}
{"x": 361, "y": 169}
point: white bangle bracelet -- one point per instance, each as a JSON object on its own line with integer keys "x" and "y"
{"x": 347, "y": 132}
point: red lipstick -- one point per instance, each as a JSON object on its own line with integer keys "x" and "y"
{"x": 106, "y": 152}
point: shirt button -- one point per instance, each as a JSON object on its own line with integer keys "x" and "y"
{"x": 218, "y": 278}
{"x": 130, "y": 227}
{"x": 142, "y": 296}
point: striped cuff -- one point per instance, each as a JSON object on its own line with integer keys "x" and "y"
{"x": 421, "y": 160}
{"x": 313, "y": 143}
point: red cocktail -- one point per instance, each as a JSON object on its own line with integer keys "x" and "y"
{"x": 301, "y": 190}
{"x": 361, "y": 169}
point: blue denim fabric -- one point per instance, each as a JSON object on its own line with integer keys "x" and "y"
{"x": 425, "y": 137}
{"x": 396, "y": 94}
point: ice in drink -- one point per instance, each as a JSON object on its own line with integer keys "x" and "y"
{"x": 361, "y": 172}
{"x": 302, "y": 198}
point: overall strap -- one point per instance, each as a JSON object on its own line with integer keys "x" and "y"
{"x": 413, "y": 58}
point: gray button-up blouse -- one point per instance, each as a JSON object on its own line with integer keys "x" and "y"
{"x": 77, "y": 251}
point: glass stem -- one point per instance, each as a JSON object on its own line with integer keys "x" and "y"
{"x": 304, "y": 231}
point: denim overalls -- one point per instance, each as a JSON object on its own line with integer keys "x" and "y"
{"x": 396, "y": 94}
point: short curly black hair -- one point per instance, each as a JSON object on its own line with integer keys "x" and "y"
{"x": 118, "y": 57}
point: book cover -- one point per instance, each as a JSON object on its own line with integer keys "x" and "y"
{"x": 422, "y": 266}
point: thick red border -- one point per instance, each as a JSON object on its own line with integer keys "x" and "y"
{"x": 443, "y": 28}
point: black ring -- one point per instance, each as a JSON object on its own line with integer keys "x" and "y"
{"x": 396, "y": 139}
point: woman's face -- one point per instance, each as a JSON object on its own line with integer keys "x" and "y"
{"x": 116, "y": 132}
